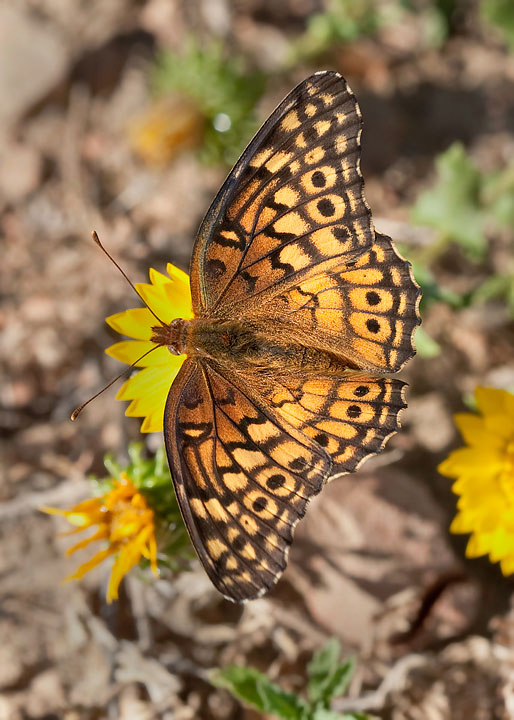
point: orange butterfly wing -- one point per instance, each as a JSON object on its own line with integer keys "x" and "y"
{"x": 293, "y": 200}
{"x": 242, "y": 476}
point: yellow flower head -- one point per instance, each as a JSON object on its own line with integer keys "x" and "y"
{"x": 124, "y": 520}
{"x": 166, "y": 127}
{"x": 170, "y": 298}
{"x": 485, "y": 477}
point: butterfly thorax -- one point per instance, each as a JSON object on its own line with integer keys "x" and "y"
{"x": 234, "y": 342}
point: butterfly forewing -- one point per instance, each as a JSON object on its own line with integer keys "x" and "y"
{"x": 294, "y": 199}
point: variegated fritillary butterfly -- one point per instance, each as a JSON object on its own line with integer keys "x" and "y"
{"x": 298, "y": 303}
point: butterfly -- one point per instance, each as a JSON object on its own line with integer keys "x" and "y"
{"x": 300, "y": 307}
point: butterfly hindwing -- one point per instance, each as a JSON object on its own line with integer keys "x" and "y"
{"x": 242, "y": 477}
{"x": 293, "y": 200}
{"x": 351, "y": 416}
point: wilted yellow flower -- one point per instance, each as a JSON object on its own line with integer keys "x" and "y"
{"x": 485, "y": 477}
{"x": 165, "y": 128}
{"x": 124, "y": 521}
{"x": 170, "y": 298}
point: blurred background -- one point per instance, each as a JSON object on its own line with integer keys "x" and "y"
{"x": 125, "y": 116}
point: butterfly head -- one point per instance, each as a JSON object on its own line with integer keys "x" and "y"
{"x": 173, "y": 336}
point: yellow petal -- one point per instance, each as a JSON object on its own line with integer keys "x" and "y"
{"x": 153, "y": 422}
{"x": 158, "y": 300}
{"x": 490, "y": 401}
{"x": 179, "y": 277}
{"x": 151, "y": 380}
{"x": 483, "y": 497}
{"x": 471, "y": 458}
{"x": 142, "y": 406}
{"x": 180, "y": 301}
{"x": 509, "y": 403}
{"x": 499, "y": 545}
{"x": 101, "y": 534}
{"x": 152, "y": 554}
{"x": 129, "y": 351}
{"x": 128, "y": 556}
{"x": 136, "y": 323}
{"x": 502, "y": 426}
{"x": 478, "y": 545}
{"x": 507, "y": 565}
{"x": 91, "y": 564}
{"x": 83, "y": 515}
{"x": 473, "y": 431}
{"x": 168, "y": 297}
{"x": 462, "y": 523}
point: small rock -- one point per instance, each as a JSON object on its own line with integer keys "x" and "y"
{"x": 431, "y": 422}
{"x": 32, "y": 60}
{"x": 20, "y": 170}
{"x": 338, "y": 604}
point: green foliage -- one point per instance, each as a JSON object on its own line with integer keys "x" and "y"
{"x": 432, "y": 291}
{"x": 152, "y": 477}
{"x": 344, "y": 21}
{"x": 463, "y": 205}
{"x": 498, "y": 196}
{"x": 254, "y": 688}
{"x": 464, "y": 202}
{"x": 222, "y": 88}
{"x": 500, "y": 14}
{"x": 328, "y": 678}
{"x": 426, "y": 346}
{"x": 497, "y": 287}
{"x": 453, "y": 206}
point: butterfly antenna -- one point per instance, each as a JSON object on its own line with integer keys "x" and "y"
{"x": 96, "y": 240}
{"x": 78, "y": 410}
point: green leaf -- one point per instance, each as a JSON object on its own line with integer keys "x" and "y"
{"x": 432, "y": 291}
{"x": 498, "y": 193}
{"x": 254, "y": 688}
{"x": 275, "y": 700}
{"x": 497, "y": 286}
{"x": 343, "y": 21}
{"x": 453, "y": 205}
{"x": 340, "y": 679}
{"x": 328, "y": 677}
{"x": 240, "y": 682}
{"x": 323, "y": 665}
{"x": 323, "y": 714}
{"x": 500, "y": 13}
{"x": 425, "y": 345}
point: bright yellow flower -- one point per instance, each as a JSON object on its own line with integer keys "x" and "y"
{"x": 170, "y": 298}
{"x": 485, "y": 477}
{"x": 124, "y": 520}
